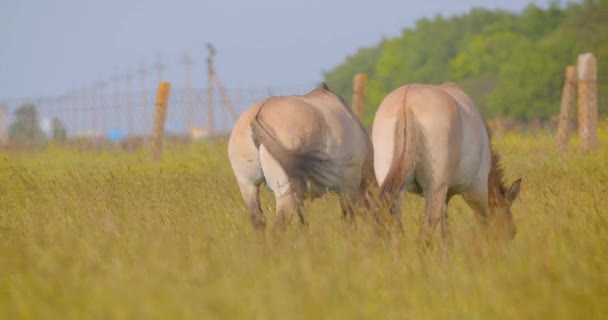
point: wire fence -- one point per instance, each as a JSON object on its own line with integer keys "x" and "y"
{"x": 101, "y": 113}
{"x": 122, "y": 105}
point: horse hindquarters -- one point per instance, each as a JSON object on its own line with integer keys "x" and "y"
{"x": 396, "y": 151}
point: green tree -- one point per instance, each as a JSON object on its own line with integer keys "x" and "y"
{"x": 25, "y": 130}
{"x": 340, "y": 79}
{"x": 511, "y": 64}
{"x": 59, "y": 132}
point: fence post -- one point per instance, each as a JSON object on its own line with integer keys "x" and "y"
{"x": 587, "y": 101}
{"x": 160, "y": 114}
{"x": 3, "y": 124}
{"x": 359, "y": 82}
{"x": 566, "y": 107}
{"x": 210, "y": 75}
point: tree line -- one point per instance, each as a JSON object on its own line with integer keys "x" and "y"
{"x": 512, "y": 64}
{"x": 26, "y": 129}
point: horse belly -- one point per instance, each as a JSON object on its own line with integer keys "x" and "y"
{"x": 472, "y": 162}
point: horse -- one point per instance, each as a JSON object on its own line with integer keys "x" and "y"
{"x": 301, "y": 146}
{"x": 432, "y": 141}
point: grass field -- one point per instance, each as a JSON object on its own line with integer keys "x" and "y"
{"x": 113, "y": 236}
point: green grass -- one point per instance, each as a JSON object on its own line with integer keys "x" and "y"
{"x": 113, "y": 236}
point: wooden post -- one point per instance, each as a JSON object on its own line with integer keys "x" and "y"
{"x": 187, "y": 63}
{"x": 130, "y": 105}
{"x": 226, "y": 103}
{"x": 160, "y": 114}
{"x": 359, "y": 82}
{"x": 116, "y": 116}
{"x": 144, "y": 101}
{"x": 210, "y": 76}
{"x": 567, "y": 105}
{"x": 102, "y": 106}
{"x": 3, "y": 124}
{"x": 587, "y": 101}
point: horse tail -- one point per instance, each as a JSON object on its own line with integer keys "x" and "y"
{"x": 405, "y": 152}
{"x": 311, "y": 167}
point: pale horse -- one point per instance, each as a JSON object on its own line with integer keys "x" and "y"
{"x": 300, "y": 146}
{"x": 431, "y": 140}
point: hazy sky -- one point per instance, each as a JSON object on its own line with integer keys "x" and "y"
{"x": 48, "y": 47}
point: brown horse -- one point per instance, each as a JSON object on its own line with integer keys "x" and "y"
{"x": 432, "y": 141}
{"x": 300, "y": 146}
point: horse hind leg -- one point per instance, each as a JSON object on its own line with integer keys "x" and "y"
{"x": 251, "y": 195}
{"x": 348, "y": 205}
{"x": 286, "y": 205}
{"x": 396, "y": 211}
{"x": 435, "y": 215}
{"x": 288, "y": 191}
{"x": 297, "y": 195}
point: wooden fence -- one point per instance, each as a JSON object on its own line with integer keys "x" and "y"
{"x": 582, "y": 81}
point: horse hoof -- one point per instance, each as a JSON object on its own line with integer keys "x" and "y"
{"x": 259, "y": 223}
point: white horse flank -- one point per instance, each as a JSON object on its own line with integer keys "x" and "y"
{"x": 300, "y": 146}
{"x": 431, "y": 140}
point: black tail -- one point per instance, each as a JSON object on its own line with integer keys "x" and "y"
{"x": 312, "y": 168}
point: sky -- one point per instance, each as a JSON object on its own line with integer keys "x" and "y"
{"x": 48, "y": 48}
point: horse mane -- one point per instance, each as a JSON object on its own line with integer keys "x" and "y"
{"x": 496, "y": 176}
{"x": 324, "y": 88}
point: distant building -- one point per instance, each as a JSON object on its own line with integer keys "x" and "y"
{"x": 198, "y": 133}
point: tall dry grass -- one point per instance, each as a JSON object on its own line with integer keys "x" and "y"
{"x": 112, "y": 236}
